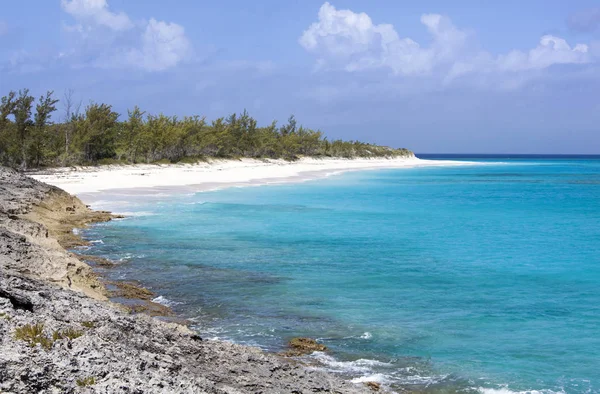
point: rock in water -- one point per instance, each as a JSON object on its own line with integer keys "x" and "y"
{"x": 300, "y": 346}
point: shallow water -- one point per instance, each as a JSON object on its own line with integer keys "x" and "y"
{"x": 444, "y": 279}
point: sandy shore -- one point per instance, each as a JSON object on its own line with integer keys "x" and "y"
{"x": 83, "y": 181}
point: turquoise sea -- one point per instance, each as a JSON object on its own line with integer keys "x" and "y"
{"x": 482, "y": 278}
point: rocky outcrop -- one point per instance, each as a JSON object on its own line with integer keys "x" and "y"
{"x": 58, "y": 334}
{"x": 129, "y": 353}
{"x": 302, "y": 346}
{"x": 36, "y": 221}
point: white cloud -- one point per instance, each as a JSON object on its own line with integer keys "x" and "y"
{"x": 96, "y": 12}
{"x": 149, "y": 45}
{"x": 349, "y": 40}
{"x": 164, "y": 45}
{"x": 342, "y": 37}
{"x": 551, "y": 50}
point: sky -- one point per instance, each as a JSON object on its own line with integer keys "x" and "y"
{"x": 436, "y": 76}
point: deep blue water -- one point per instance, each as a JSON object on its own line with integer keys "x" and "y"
{"x": 446, "y": 279}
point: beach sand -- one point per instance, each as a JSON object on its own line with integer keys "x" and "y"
{"x": 88, "y": 182}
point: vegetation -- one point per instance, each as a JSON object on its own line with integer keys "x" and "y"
{"x": 99, "y": 135}
{"x": 69, "y": 333}
{"x": 86, "y": 382}
{"x": 33, "y": 334}
{"x": 88, "y": 324}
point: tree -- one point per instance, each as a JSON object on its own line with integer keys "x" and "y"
{"x": 44, "y": 109}
{"x": 70, "y": 115}
{"x": 290, "y": 127}
{"x": 132, "y": 136}
{"x": 7, "y": 107}
{"x": 23, "y": 122}
{"x": 95, "y": 132}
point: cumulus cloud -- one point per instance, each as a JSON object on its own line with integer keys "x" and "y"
{"x": 114, "y": 40}
{"x": 96, "y": 12}
{"x": 352, "y": 41}
{"x": 551, "y": 50}
{"x": 164, "y": 45}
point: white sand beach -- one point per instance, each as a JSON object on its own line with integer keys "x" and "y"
{"x": 214, "y": 174}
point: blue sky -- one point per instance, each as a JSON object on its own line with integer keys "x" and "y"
{"x": 433, "y": 76}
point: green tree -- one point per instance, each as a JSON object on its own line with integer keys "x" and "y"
{"x": 131, "y": 139}
{"x": 23, "y": 122}
{"x": 95, "y": 132}
{"x": 44, "y": 109}
{"x": 7, "y": 107}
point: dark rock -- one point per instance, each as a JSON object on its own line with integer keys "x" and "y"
{"x": 17, "y": 300}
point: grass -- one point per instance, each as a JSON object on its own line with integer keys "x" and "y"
{"x": 88, "y": 324}
{"x": 85, "y": 382}
{"x": 5, "y": 316}
{"x": 33, "y": 334}
{"x": 69, "y": 333}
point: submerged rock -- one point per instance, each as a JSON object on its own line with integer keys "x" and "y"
{"x": 302, "y": 346}
{"x": 373, "y": 386}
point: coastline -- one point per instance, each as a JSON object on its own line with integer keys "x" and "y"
{"x": 95, "y": 184}
{"x": 88, "y": 183}
{"x": 59, "y": 332}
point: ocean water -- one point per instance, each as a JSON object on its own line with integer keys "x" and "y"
{"x": 482, "y": 278}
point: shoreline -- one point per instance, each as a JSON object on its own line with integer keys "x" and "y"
{"x": 95, "y": 184}
{"x": 92, "y": 183}
{"x": 55, "y": 312}
{"x": 89, "y": 183}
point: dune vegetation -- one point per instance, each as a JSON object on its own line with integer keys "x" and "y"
{"x": 96, "y": 134}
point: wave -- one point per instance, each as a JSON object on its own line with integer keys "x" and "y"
{"x": 165, "y": 301}
{"x": 504, "y": 390}
{"x": 137, "y": 214}
{"x": 130, "y": 256}
{"x": 377, "y": 377}
{"x": 351, "y": 367}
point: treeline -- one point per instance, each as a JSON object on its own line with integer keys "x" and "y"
{"x": 96, "y": 135}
